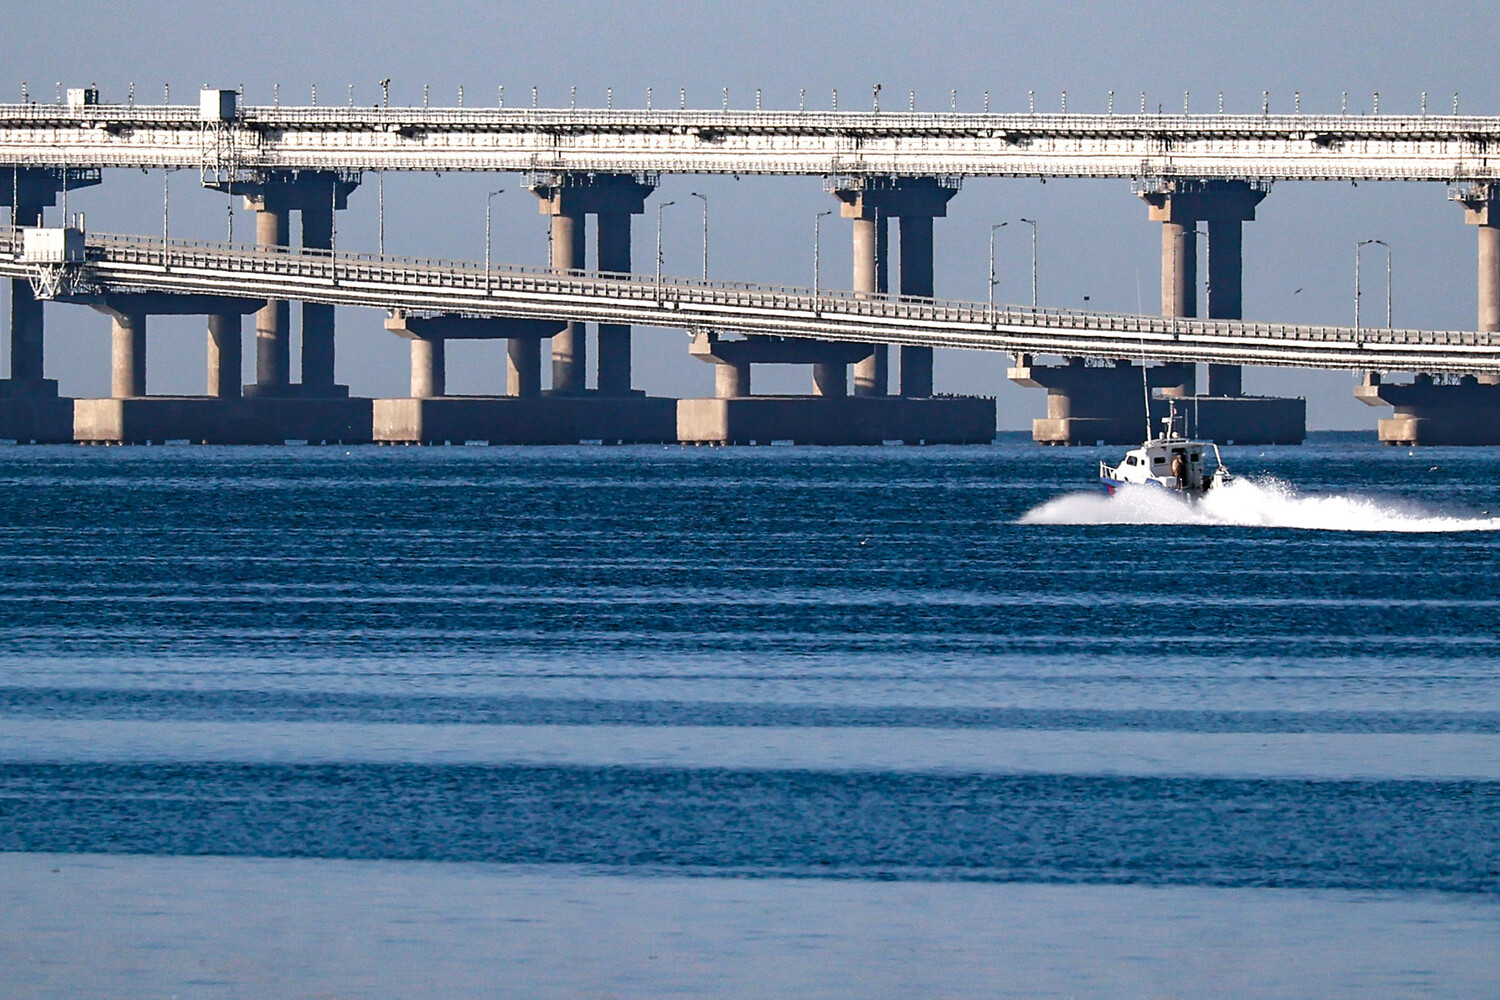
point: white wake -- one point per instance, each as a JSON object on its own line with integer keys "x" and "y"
{"x": 1266, "y": 503}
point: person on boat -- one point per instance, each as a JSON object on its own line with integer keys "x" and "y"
{"x": 1179, "y": 470}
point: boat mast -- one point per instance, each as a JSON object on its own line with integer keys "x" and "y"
{"x": 1146, "y": 391}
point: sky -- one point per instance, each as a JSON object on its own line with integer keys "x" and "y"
{"x": 1094, "y": 238}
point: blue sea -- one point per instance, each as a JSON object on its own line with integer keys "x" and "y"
{"x": 776, "y": 722}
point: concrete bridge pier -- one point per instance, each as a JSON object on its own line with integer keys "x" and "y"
{"x": 316, "y": 409}
{"x": 225, "y": 335}
{"x": 127, "y": 355}
{"x": 613, "y": 377}
{"x": 525, "y": 416}
{"x": 130, "y": 416}
{"x": 429, "y": 369}
{"x": 871, "y": 232}
{"x": 914, "y": 202}
{"x": 831, "y": 415}
{"x": 273, "y": 323}
{"x": 316, "y": 196}
{"x": 1088, "y": 404}
{"x": 612, "y": 411}
{"x": 523, "y": 367}
{"x": 1104, "y": 403}
{"x": 30, "y": 409}
{"x": 612, "y": 199}
{"x": 1463, "y": 410}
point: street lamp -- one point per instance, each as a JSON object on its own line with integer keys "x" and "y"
{"x": 704, "y": 198}
{"x": 998, "y": 225}
{"x": 817, "y": 246}
{"x": 487, "y": 201}
{"x": 1032, "y": 224}
{"x": 1358, "y": 247}
{"x": 659, "y": 209}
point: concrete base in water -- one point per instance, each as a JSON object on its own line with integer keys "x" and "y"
{"x": 635, "y": 419}
{"x": 1427, "y": 413}
{"x": 1225, "y": 419}
{"x": 214, "y": 420}
{"x": 836, "y": 420}
{"x": 1088, "y": 404}
{"x": 33, "y": 413}
{"x": 1244, "y": 419}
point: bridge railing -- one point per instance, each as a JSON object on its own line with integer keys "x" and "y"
{"x": 1125, "y": 122}
{"x": 405, "y": 274}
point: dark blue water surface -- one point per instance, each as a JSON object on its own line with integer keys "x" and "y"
{"x": 863, "y": 664}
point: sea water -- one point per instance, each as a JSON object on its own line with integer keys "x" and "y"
{"x": 646, "y": 722}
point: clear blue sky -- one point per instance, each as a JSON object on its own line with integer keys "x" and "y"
{"x": 1095, "y": 239}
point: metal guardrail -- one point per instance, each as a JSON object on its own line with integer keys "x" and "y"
{"x": 127, "y": 264}
{"x": 810, "y": 121}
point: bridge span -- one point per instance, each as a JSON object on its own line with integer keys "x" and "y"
{"x": 227, "y": 140}
{"x": 121, "y": 266}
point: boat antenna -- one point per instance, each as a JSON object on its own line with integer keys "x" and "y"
{"x": 1146, "y": 388}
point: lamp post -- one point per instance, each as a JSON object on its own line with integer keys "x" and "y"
{"x": 487, "y": 201}
{"x": 817, "y": 247}
{"x": 998, "y": 225}
{"x": 659, "y": 209}
{"x": 1032, "y": 224}
{"x": 1358, "y": 247}
{"x": 704, "y": 198}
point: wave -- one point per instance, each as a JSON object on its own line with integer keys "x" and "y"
{"x": 1253, "y": 503}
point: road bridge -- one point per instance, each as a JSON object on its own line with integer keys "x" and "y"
{"x": 120, "y": 265}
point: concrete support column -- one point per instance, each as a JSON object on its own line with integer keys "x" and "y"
{"x": 570, "y": 347}
{"x": 523, "y": 367}
{"x": 224, "y": 362}
{"x": 830, "y": 380}
{"x": 1225, "y": 205}
{"x": 428, "y": 368}
{"x": 916, "y": 281}
{"x": 1179, "y": 269}
{"x": 317, "y": 319}
{"x": 26, "y": 331}
{"x": 1479, "y": 201}
{"x": 614, "y": 339}
{"x": 128, "y": 354}
{"x": 273, "y": 358}
{"x": 732, "y": 380}
{"x": 871, "y": 376}
{"x": 1225, "y": 295}
{"x": 1489, "y": 276}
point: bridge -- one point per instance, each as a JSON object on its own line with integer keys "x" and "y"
{"x": 1190, "y": 170}
{"x": 225, "y": 140}
{"x": 120, "y": 266}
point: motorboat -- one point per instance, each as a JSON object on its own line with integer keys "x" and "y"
{"x": 1168, "y": 462}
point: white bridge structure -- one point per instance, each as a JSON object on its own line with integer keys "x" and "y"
{"x": 124, "y": 265}
{"x": 226, "y": 140}
{"x": 1190, "y": 170}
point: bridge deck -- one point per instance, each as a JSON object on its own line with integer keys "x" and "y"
{"x": 1444, "y": 148}
{"x": 126, "y": 264}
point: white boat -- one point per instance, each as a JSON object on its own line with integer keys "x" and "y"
{"x": 1168, "y": 462}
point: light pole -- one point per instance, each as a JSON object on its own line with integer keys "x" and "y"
{"x": 487, "y": 201}
{"x": 817, "y": 246}
{"x": 659, "y": 209}
{"x": 704, "y": 198}
{"x": 1358, "y": 247}
{"x": 998, "y": 225}
{"x": 1032, "y": 224}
